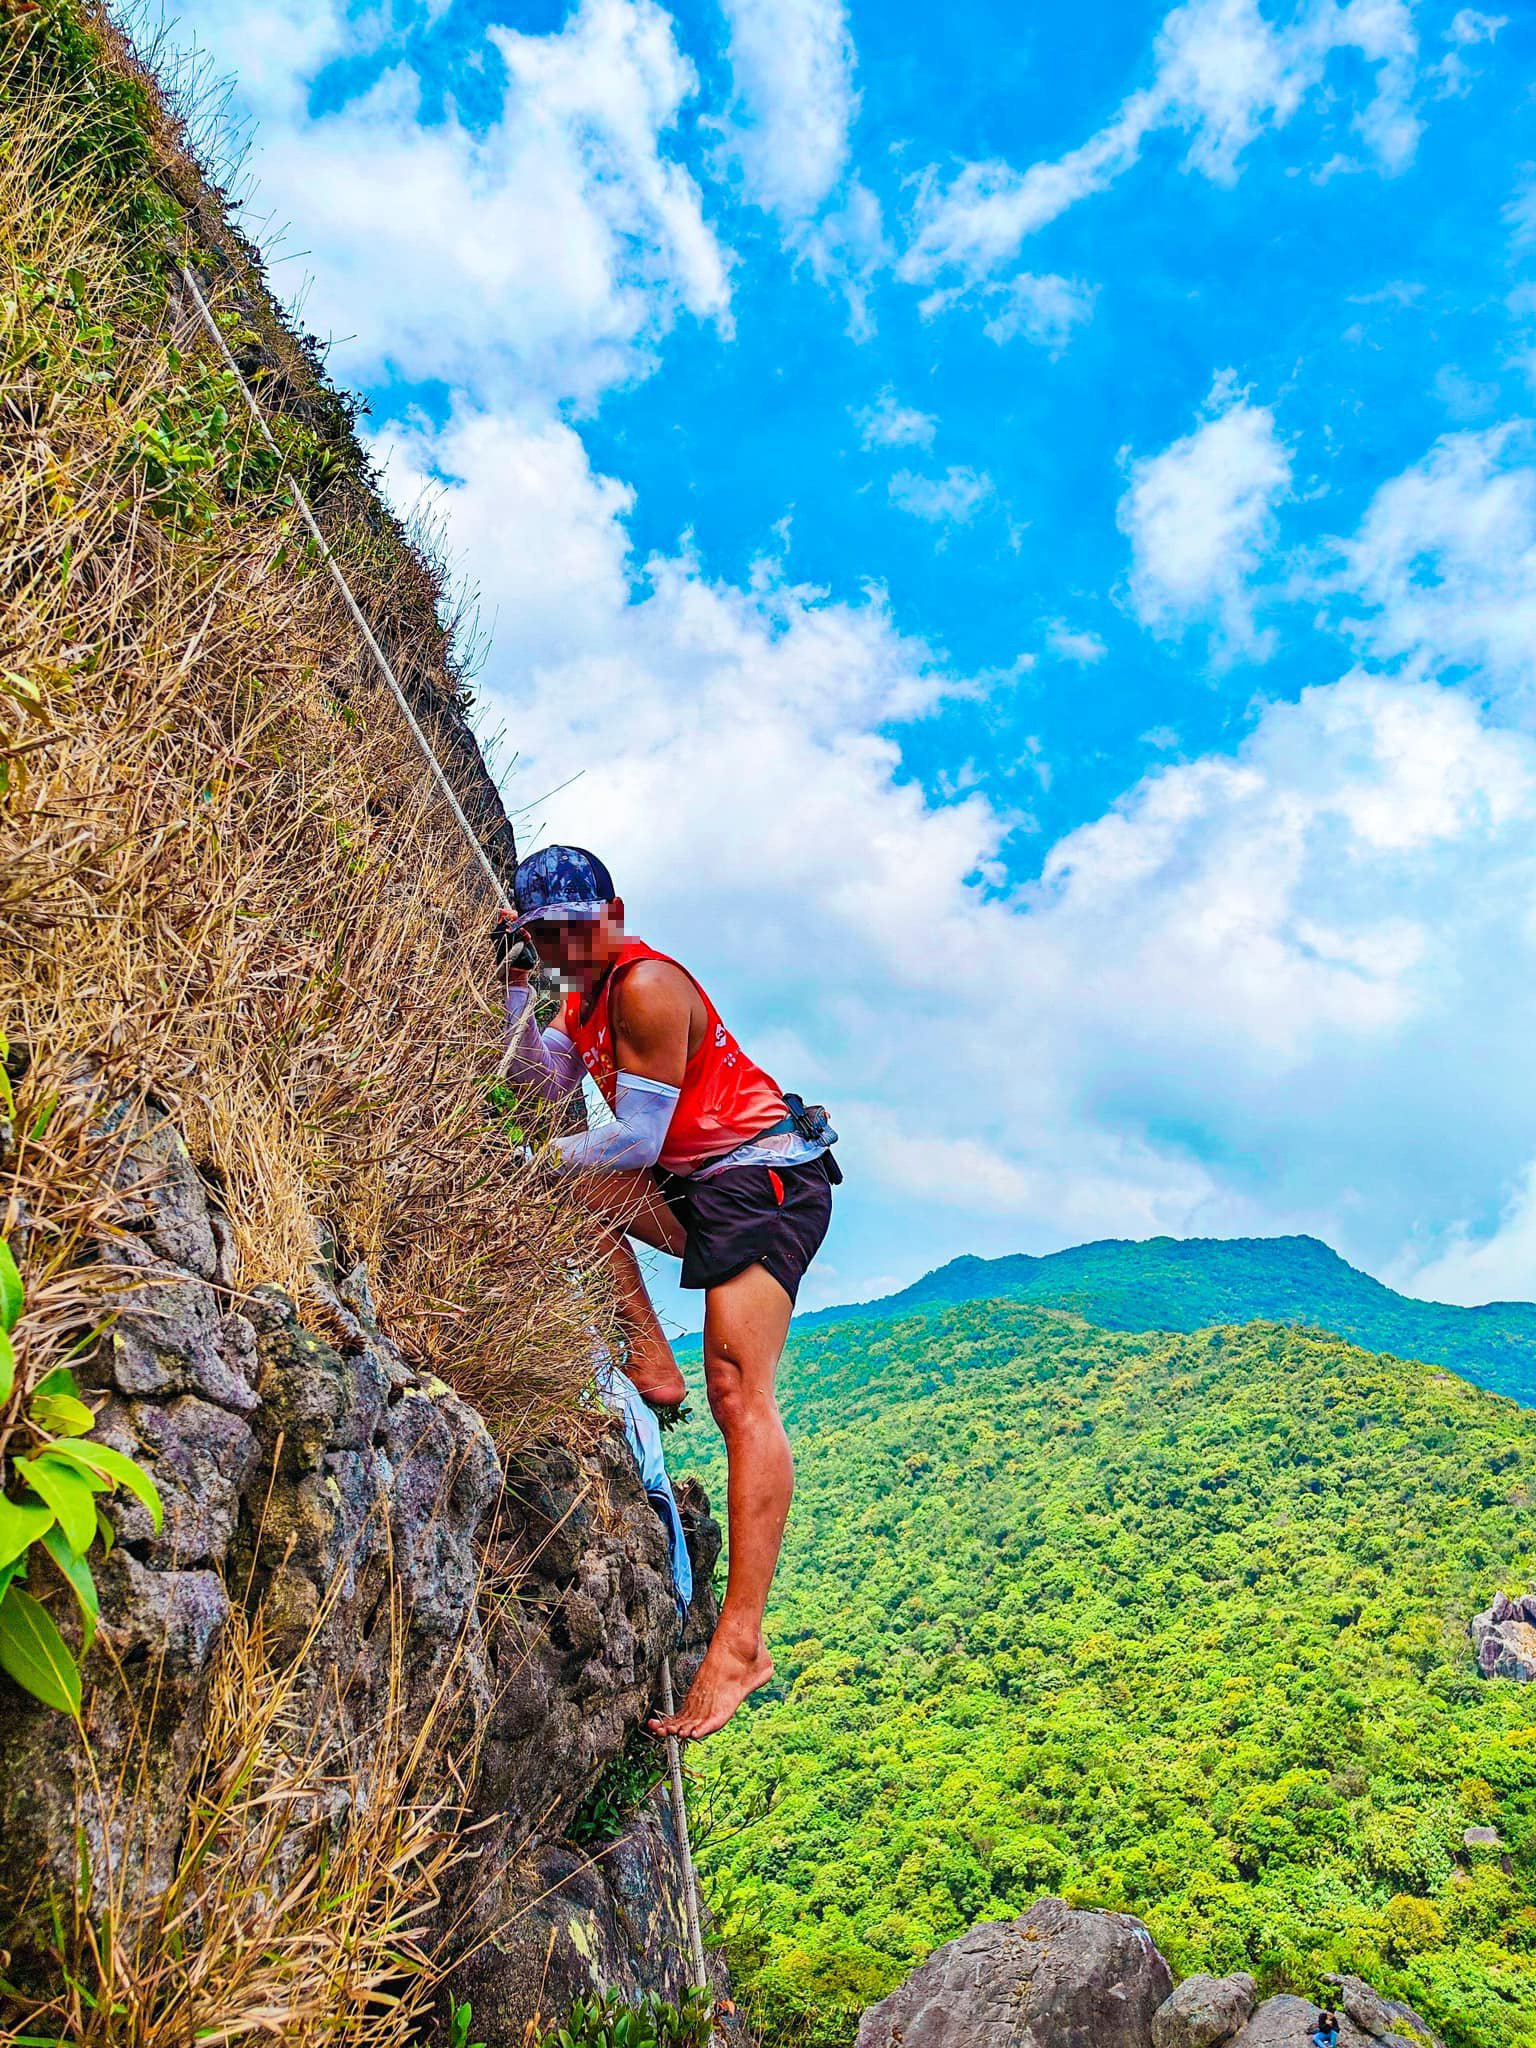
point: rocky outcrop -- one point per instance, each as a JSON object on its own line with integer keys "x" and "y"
{"x": 1204, "y": 2011}
{"x": 539, "y": 1920}
{"x": 1057, "y": 1978}
{"x": 1505, "y": 1638}
{"x": 1382, "y": 2019}
{"x": 612, "y": 1914}
{"x": 1065, "y": 1978}
{"x": 1288, "y": 2022}
{"x": 310, "y": 1475}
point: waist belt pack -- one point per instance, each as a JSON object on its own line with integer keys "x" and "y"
{"x": 813, "y": 1124}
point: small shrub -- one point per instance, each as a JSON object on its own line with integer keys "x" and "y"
{"x": 460, "y": 2020}
{"x": 50, "y": 1453}
{"x": 608, "y": 2021}
{"x": 613, "y": 1800}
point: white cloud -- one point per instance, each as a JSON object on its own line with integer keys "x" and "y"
{"x": 792, "y": 62}
{"x": 787, "y": 134}
{"x": 1468, "y": 28}
{"x": 1471, "y": 1267}
{"x": 1521, "y": 213}
{"x": 1200, "y": 516}
{"x": 544, "y": 253}
{"x": 890, "y": 424}
{"x": 1214, "y": 994}
{"x": 847, "y": 249}
{"x": 1445, "y": 561}
{"x": 1045, "y": 310}
{"x": 1068, "y": 644}
{"x": 952, "y": 499}
{"x": 1258, "y": 956}
{"x": 1223, "y": 75}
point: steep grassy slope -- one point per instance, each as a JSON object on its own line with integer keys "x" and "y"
{"x": 1169, "y": 1623}
{"x": 233, "y": 907}
{"x": 1170, "y": 1283}
{"x": 225, "y": 877}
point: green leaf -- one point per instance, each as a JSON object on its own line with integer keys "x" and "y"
{"x": 61, "y": 1415}
{"x": 106, "y": 1532}
{"x": 21, "y": 1524}
{"x": 12, "y": 1293}
{"x": 7, "y": 1358}
{"x": 115, "y": 1468}
{"x": 35, "y": 1655}
{"x": 66, "y": 1493}
{"x": 75, "y": 279}
{"x": 16, "y": 1569}
{"x": 60, "y": 1381}
{"x": 78, "y": 1573}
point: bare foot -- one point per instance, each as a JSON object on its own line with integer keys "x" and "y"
{"x": 660, "y": 1386}
{"x": 654, "y": 1370}
{"x": 729, "y": 1672}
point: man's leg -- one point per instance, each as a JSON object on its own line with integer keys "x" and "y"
{"x": 746, "y": 1320}
{"x": 631, "y": 1206}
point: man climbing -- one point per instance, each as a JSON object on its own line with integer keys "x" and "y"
{"x": 705, "y": 1159}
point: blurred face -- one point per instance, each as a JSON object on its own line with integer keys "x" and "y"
{"x": 579, "y": 949}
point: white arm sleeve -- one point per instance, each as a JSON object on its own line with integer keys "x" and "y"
{"x": 545, "y": 1061}
{"x": 642, "y": 1110}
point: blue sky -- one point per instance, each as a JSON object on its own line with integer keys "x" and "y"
{"x": 1014, "y": 532}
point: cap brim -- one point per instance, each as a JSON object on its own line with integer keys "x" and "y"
{"x": 558, "y": 913}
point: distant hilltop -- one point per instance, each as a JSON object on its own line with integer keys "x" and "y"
{"x": 1171, "y": 1283}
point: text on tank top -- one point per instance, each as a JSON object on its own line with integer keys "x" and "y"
{"x": 726, "y": 1098}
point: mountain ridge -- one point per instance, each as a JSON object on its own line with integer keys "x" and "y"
{"x": 1188, "y": 1284}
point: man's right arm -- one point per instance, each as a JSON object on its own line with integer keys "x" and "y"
{"x": 544, "y": 1061}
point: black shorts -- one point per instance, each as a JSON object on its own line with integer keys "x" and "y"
{"x": 773, "y": 1216}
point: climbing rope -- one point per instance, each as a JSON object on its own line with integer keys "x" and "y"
{"x": 684, "y": 1846}
{"x": 338, "y": 577}
{"x": 301, "y": 504}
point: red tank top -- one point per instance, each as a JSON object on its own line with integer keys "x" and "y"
{"x": 726, "y": 1098}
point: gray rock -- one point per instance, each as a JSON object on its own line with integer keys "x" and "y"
{"x": 360, "y": 1506}
{"x": 1204, "y": 2011}
{"x": 613, "y": 1922}
{"x": 576, "y": 1657}
{"x": 162, "y": 1628}
{"x": 1383, "y": 2019}
{"x": 202, "y": 1458}
{"x": 1287, "y": 2022}
{"x": 164, "y": 1200}
{"x": 1057, "y": 1978}
{"x": 171, "y": 1335}
{"x": 1505, "y": 1640}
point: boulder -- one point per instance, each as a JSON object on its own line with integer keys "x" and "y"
{"x": 1287, "y": 2022}
{"x": 1383, "y": 2019}
{"x": 1504, "y": 1636}
{"x": 1056, "y": 1978}
{"x": 1204, "y": 2011}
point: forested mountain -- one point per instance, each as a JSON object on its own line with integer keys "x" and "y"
{"x": 1170, "y": 1283}
{"x": 1173, "y": 1623}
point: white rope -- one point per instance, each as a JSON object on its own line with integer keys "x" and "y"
{"x": 684, "y": 1847}
{"x": 337, "y": 577}
{"x": 674, "y": 1756}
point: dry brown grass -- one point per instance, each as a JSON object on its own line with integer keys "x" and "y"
{"x": 224, "y": 879}
{"x": 300, "y": 1905}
